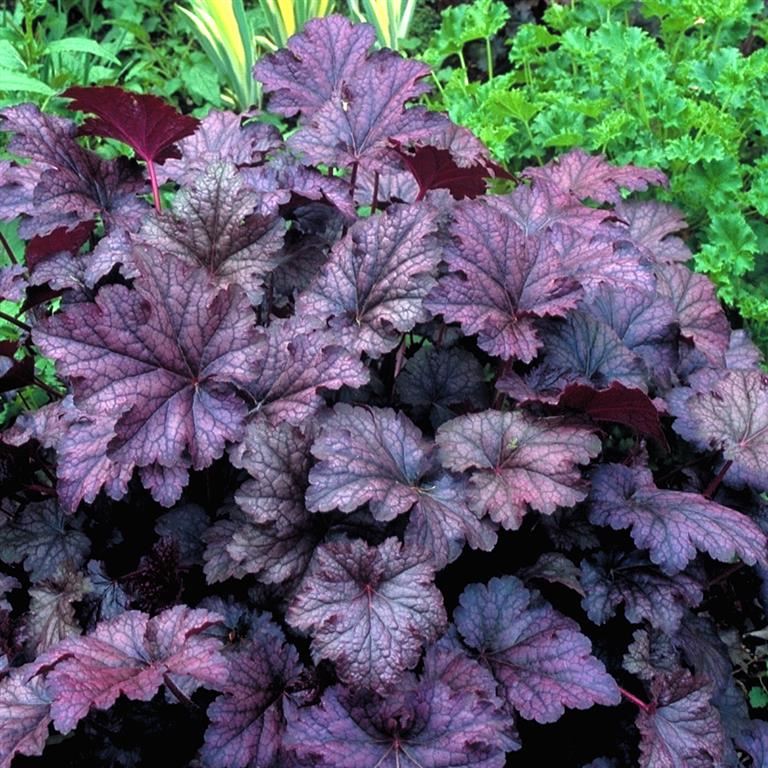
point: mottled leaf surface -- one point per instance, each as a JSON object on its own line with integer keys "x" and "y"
{"x": 367, "y": 455}
{"x": 730, "y": 415}
{"x": 517, "y": 461}
{"x": 373, "y": 286}
{"x": 681, "y": 728}
{"x": 501, "y": 281}
{"x": 369, "y": 609}
{"x": 673, "y": 525}
{"x": 24, "y": 716}
{"x": 651, "y": 227}
{"x": 130, "y": 655}
{"x": 538, "y": 655}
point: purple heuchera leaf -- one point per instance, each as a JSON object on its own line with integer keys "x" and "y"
{"x": 680, "y": 727}
{"x": 221, "y": 138}
{"x": 673, "y": 525}
{"x": 247, "y": 722}
{"x": 584, "y": 176}
{"x": 646, "y": 593}
{"x": 730, "y": 415}
{"x": 502, "y": 280}
{"x": 517, "y": 461}
{"x": 367, "y": 455}
{"x": 314, "y": 65}
{"x": 369, "y": 609}
{"x": 24, "y": 716}
{"x": 142, "y": 121}
{"x": 373, "y": 286}
{"x": 650, "y": 225}
{"x": 168, "y": 356}
{"x": 44, "y": 539}
{"x": 538, "y": 655}
{"x": 431, "y": 722}
{"x": 216, "y": 223}
{"x": 294, "y": 365}
{"x": 131, "y": 655}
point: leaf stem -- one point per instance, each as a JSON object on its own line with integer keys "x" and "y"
{"x": 709, "y": 491}
{"x": 8, "y": 249}
{"x": 375, "y": 196}
{"x": 155, "y": 187}
{"x": 179, "y": 695}
{"x": 637, "y": 702}
{"x": 15, "y": 321}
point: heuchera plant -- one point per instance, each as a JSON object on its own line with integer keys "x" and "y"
{"x": 361, "y": 466}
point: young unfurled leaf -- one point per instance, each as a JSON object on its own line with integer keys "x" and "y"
{"x": 142, "y": 121}
{"x": 131, "y": 655}
{"x": 247, "y": 722}
{"x": 369, "y": 609}
{"x": 166, "y": 358}
{"x": 730, "y": 415}
{"x": 502, "y": 280}
{"x": 538, "y": 655}
{"x": 373, "y": 286}
{"x": 681, "y": 727}
{"x": 673, "y": 525}
{"x": 517, "y": 461}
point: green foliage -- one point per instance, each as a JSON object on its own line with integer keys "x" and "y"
{"x": 677, "y": 84}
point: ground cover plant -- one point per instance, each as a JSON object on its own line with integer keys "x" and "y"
{"x": 679, "y": 86}
{"x": 359, "y": 464}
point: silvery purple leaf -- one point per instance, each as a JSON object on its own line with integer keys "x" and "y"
{"x": 130, "y": 655}
{"x": 645, "y": 593}
{"x": 742, "y": 352}
{"x": 109, "y": 597}
{"x": 555, "y": 568}
{"x": 24, "y": 716}
{"x": 517, "y": 461}
{"x": 431, "y": 722}
{"x": 538, "y": 655}
{"x": 219, "y": 564}
{"x": 315, "y": 64}
{"x": 673, "y": 525}
{"x": 221, "y": 137}
{"x": 44, "y": 539}
{"x": 441, "y": 522}
{"x": 247, "y": 722}
{"x": 650, "y": 654}
{"x": 729, "y": 414}
{"x": 292, "y": 367}
{"x": 501, "y": 280}
{"x": 216, "y": 223}
{"x": 370, "y": 610}
{"x": 373, "y": 287}
{"x": 367, "y": 455}
{"x": 651, "y": 225}
{"x": 681, "y": 727}
{"x": 437, "y": 380}
{"x": 13, "y": 282}
{"x": 167, "y": 357}
{"x": 755, "y": 743}
{"x": 699, "y": 312}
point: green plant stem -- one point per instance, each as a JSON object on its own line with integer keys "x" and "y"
{"x": 489, "y": 57}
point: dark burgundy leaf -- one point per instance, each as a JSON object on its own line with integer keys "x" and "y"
{"x": 590, "y": 176}
{"x": 502, "y": 280}
{"x": 373, "y": 286}
{"x": 538, "y": 655}
{"x": 15, "y": 373}
{"x": 517, "y": 461}
{"x": 216, "y": 223}
{"x": 673, "y": 525}
{"x": 448, "y": 718}
{"x": 369, "y": 609}
{"x": 646, "y": 594}
{"x": 439, "y": 380}
{"x": 617, "y": 404}
{"x": 24, "y": 716}
{"x": 131, "y": 655}
{"x": 142, "y": 121}
{"x": 60, "y": 240}
{"x": 367, "y": 455}
{"x": 314, "y": 65}
{"x": 730, "y": 415}
{"x": 247, "y": 722}
{"x": 294, "y": 365}
{"x": 680, "y": 727}
{"x": 43, "y": 539}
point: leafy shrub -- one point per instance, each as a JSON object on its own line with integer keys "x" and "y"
{"x": 358, "y": 464}
{"x": 680, "y": 86}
